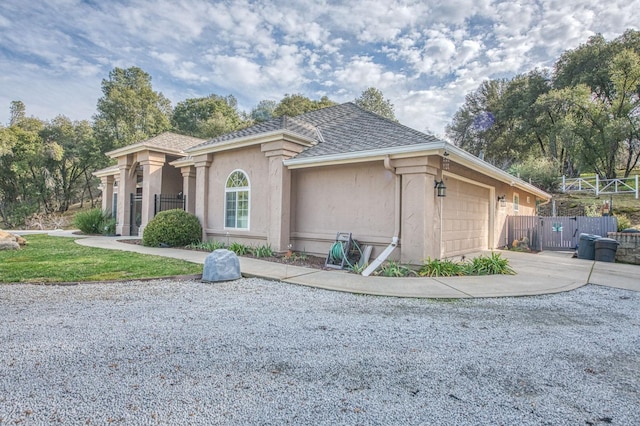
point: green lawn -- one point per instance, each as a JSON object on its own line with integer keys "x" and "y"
{"x": 55, "y": 259}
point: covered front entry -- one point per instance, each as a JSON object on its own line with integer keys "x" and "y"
{"x": 465, "y": 218}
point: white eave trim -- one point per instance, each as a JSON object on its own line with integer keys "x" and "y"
{"x": 456, "y": 154}
{"x": 109, "y": 171}
{"x": 361, "y": 156}
{"x": 256, "y": 139}
{"x": 132, "y": 149}
{"x": 464, "y": 158}
{"x": 183, "y": 162}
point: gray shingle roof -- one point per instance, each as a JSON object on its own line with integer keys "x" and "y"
{"x": 338, "y": 129}
{"x": 171, "y": 140}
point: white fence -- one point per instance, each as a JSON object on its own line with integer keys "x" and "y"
{"x": 602, "y": 186}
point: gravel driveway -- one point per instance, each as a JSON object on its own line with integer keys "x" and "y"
{"x": 261, "y": 352}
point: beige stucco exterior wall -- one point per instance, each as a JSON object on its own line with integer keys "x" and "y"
{"x": 355, "y": 198}
{"x": 254, "y": 163}
{"x": 171, "y": 180}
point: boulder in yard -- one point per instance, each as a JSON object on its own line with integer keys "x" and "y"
{"x": 10, "y": 241}
{"x": 221, "y": 265}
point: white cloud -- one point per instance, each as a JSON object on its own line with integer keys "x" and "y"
{"x": 233, "y": 72}
{"x": 424, "y": 55}
{"x": 361, "y": 72}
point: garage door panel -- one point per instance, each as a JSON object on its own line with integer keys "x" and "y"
{"x": 465, "y": 218}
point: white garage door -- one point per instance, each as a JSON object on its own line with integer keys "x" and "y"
{"x": 465, "y": 218}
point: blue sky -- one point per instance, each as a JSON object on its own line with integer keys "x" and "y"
{"x": 424, "y": 55}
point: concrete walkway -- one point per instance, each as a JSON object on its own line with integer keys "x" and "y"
{"x": 542, "y": 273}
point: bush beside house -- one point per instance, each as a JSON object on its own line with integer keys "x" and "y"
{"x": 173, "y": 228}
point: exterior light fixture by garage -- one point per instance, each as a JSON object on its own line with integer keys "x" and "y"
{"x": 502, "y": 200}
{"x": 441, "y": 190}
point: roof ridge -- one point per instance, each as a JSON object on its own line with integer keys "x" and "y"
{"x": 397, "y": 123}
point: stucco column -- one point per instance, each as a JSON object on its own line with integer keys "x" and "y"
{"x": 151, "y": 163}
{"x": 278, "y": 233}
{"x": 107, "y": 193}
{"x": 126, "y": 187}
{"x": 420, "y": 232}
{"x": 202, "y": 164}
{"x": 279, "y": 199}
{"x": 189, "y": 188}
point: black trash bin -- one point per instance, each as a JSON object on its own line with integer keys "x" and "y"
{"x": 586, "y": 246}
{"x": 606, "y": 249}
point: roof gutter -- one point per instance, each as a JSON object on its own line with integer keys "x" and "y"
{"x": 358, "y": 156}
{"x": 457, "y": 154}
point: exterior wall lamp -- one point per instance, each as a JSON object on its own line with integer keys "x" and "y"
{"x": 502, "y": 200}
{"x": 441, "y": 190}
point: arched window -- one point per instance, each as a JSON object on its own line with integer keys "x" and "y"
{"x": 236, "y": 210}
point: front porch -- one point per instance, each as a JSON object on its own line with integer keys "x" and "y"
{"x": 143, "y": 182}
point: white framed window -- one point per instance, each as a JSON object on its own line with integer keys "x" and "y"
{"x": 516, "y": 203}
{"x": 236, "y": 206}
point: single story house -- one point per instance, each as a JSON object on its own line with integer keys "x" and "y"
{"x": 295, "y": 182}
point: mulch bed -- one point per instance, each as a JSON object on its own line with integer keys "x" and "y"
{"x": 314, "y": 262}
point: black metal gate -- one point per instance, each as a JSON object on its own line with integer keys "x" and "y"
{"x": 135, "y": 214}
{"x": 557, "y": 232}
{"x": 164, "y": 202}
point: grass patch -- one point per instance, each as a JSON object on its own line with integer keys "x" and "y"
{"x": 48, "y": 259}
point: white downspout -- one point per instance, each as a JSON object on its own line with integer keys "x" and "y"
{"x": 396, "y": 232}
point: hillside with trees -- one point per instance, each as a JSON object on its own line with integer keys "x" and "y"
{"x": 581, "y": 117}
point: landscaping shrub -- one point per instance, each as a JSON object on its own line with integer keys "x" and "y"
{"x": 207, "y": 245}
{"x": 174, "y": 228}
{"x": 489, "y": 265}
{"x": 263, "y": 251}
{"x": 95, "y": 221}
{"x": 623, "y": 222}
{"x": 239, "y": 248}
{"x": 395, "y": 269}
{"x": 441, "y": 268}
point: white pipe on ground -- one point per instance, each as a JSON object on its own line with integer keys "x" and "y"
{"x": 383, "y": 256}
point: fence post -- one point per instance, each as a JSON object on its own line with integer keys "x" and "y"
{"x": 597, "y": 185}
{"x": 564, "y": 183}
{"x": 636, "y": 187}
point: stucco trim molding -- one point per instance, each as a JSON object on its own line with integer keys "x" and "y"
{"x": 434, "y": 148}
{"x": 135, "y": 148}
{"x": 109, "y": 171}
{"x": 252, "y": 140}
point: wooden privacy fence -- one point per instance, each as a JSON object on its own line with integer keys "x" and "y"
{"x": 557, "y": 232}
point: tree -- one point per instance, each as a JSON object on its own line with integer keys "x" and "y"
{"x": 475, "y": 127}
{"x": 206, "y": 117}
{"x": 292, "y": 105}
{"x": 607, "y": 116}
{"x": 373, "y": 100}
{"x": 77, "y": 155}
{"x": 22, "y": 181}
{"x": 17, "y": 112}
{"x": 263, "y": 111}
{"x": 129, "y": 110}
{"x": 584, "y": 117}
